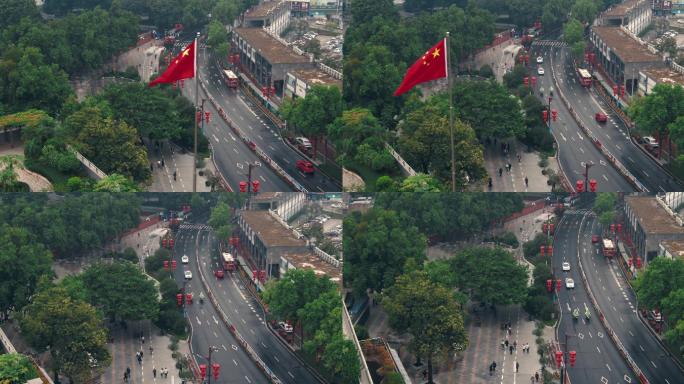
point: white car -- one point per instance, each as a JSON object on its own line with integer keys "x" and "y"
{"x": 566, "y": 266}
{"x": 540, "y": 71}
{"x": 188, "y": 275}
{"x": 569, "y": 283}
{"x": 185, "y": 259}
{"x": 540, "y": 59}
{"x": 286, "y": 327}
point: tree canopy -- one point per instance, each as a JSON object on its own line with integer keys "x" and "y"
{"x": 16, "y": 368}
{"x": 377, "y": 245}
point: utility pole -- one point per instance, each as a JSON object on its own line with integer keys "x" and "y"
{"x": 194, "y": 167}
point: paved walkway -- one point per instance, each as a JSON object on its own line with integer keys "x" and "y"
{"x": 180, "y": 162}
{"x": 36, "y": 182}
{"x": 525, "y": 167}
{"x": 351, "y": 182}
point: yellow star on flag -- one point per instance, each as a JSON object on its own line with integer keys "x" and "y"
{"x": 435, "y": 53}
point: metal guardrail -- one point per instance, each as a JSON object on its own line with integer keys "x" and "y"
{"x": 252, "y": 145}
{"x": 231, "y": 328}
{"x": 404, "y": 165}
{"x": 621, "y": 348}
{"x": 597, "y": 143}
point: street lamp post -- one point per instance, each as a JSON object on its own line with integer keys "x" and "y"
{"x": 207, "y": 369}
{"x": 571, "y": 354}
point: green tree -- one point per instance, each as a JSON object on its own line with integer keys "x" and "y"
{"x": 287, "y": 295}
{"x": 428, "y": 312}
{"x": 490, "y": 276}
{"x": 112, "y": 145}
{"x": 376, "y": 247}
{"x": 216, "y": 34}
{"x": 24, "y": 261}
{"x": 115, "y": 183}
{"x": 122, "y": 291}
{"x": 573, "y": 31}
{"x": 353, "y": 129}
{"x": 661, "y": 277}
{"x": 70, "y": 329}
{"x": 654, "y": 113}
{"x": 365, "y": 10}
{"x": 341, "y": 359}
{"x": 668, "y": 45}
{"x": 421, "y": 183}
{"x": 312, "y": 114}
{"x": 225, "y": 11}
{"x": 220, "y": 218}
{"x": 585, "y": 11}
{"x": 16, "y": 368}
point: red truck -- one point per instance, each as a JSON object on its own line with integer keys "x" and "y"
{"x": 305, "y": 167}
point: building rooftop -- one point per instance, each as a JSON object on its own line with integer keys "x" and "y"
{"x": 624, "y": 45}
{"x": 268, "y": 47}
{"x": 261, "y": 10}
{"x": 316, "y": 77}
{"x": 664, "y": 75}
{"x": 653, "y": 218}
{"x": 311, "y": 261}
{"x": 619, "y": 10}
{"x": 270, "y": 231}
{"x": 675, "y": 247}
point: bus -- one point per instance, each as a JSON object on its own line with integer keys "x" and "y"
{"x": 231, "y": 78}
{"x": 228, "y": 262}
{"x": 608, "y": 248}
{"x": 585, "y": 77}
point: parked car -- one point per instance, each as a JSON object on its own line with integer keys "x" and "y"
{"x": 650, "y": 142}
{"x": 305, "y": 167}
{"x": 569, "y": 283}
{"x": 188, "y": 275}
{"x": 219, "y": 273}
{"x": 594, "y": 239}
{"x": 601, "y": 117}
{"x": 303, "y": 144}
{"x": 286, "y": 327}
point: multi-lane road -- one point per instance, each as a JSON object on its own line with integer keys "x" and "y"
{"x": 231, "y": 154}
{"x": 199, "y": 244}
{"x": 575, "y": 147}
{"x": 598, "y": 358}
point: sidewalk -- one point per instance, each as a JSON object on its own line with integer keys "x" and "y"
{"x": 526, "y": 167}
{"x": 175, "y": 161}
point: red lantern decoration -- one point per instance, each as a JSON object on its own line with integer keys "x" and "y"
{"x": 545, "y": 115}
{"x": 171, "y": 243}
{"x": 271, "y": 91}
{"x": 554, "y": 114}
{"x": 254, "y": 274}
{"x": 243, "y": 187}
{"x": 542, "y": 250}
{"x": 549, "y": 285}
{"x": 215, "y": 370}
{"x": 573, "y": 357}
{"x": 622, "y": 91}
{"x": 639, "y": 262}
{"x": 619, "y": 227}
{"x": 255, "y": 186}
{"x": 615, "y": 90}
{"x": 527, "y": 59}
{"x": 262, "y": 275}
{"x": 188, "y": 298}
{"x": 203, "y": 370}
{"x": 545, "y": 227}
{"x": 580, "y": 186}
{"x": 558, "y": 285}
{"x": 526, "y": 81}
{"x": 166, "y": 265}
{"x": 164, "y": 242}
{"x": 533, "y": 80}
{"x": 551, "y": 229}
{"x": 173, "y": 264}
{"x": 559, "y": 358}
{"x": 264, "y": 91}
{"x": 179, "y": 299}
{"x": 592, "y": 185}
{"x": 629, "y": 261}
{"x": 612, "y": 228}
{"x": 520, "y": 59}
{"x": 549, "y": 251}
{"x": 207, "y": 114}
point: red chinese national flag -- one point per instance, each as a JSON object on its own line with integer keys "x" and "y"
{"x": 182, "y": 67}
{"x": 431, "y": 66}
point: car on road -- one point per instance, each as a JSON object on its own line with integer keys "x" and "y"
{"x": 286, "y": 327}
{"x": 594, "y": 239}
{"x": 219, "y": 273}
{"x": 601, "y": 117}
{"x": 303, "y": 144}
{"x": 540, "y": 59}
{"x": 650, "y": 141}
{"x": 188, "y": 274}
{"x": 540, "y": 71}
{"x": 566, "y": 266}
{"x": 185, "y": 259}
{"x": 305, "y": 167}
{"x": 569, "y": 283}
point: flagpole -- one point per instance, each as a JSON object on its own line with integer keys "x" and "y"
{"x": 194, "y": 163}
{"x": 451, "y": 115}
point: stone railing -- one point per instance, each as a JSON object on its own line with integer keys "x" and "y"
{"x": 348, "y": 331}
{"x": 408, "y": 170}
{"x": 95, "y": 172}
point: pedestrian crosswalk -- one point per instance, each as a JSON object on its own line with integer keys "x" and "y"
{"x": 201, "y": 227}
{"x": 549, "y": 43}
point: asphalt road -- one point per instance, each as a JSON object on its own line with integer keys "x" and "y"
{"x": 614, "y": 135}
{"x": 207, "y": 328}
{"x": 242, "y": 309}
{"x": 574, "y": 148}
{"x": 618, "y": 303}
{"x": 598, "y": 360}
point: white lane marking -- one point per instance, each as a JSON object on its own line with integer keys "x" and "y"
{"x": 224, "y": 347}
{"x": 215, "y": 321}
{"x": 235, "y": 362}
{"x": 652, "y": 363}
{"x": 631, "y": 334}
{"x": 597, "y": 348}
{"x": 215, "y": 138}
{"x": 248, "y": 380}
{"x": 608, "y": 366}
{"x": 604, "y": 176}
{"x": 291, "y": 375}
{"x": 276, "y": 358}
{"x": 198, "y": 320}
{"x": 642, "y": 348}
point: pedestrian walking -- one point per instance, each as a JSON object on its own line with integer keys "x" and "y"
{"x": 517, "y": 366}
{"x": 510, "y": 349}
{"x": 141, "y": 354}
{"x": 491, "y": 369}
{"x": 531, "y": 379}
{"x": 151, "y": 167}
{"x": 125, "y": 378}
{"x": 151, "y": 350}
{"x": 515, "y": 344}
{"x": 527, "y": 182}
{"x": 154, "y": 372}
{"x": 500, "y": 172}
{"x": 536, "y": 377}
{"x": 159, "y": 164}
{"x": 509, "y": 328}
{"x": 494, "y": 365}
{"x": 518, "y": 157}
{"x": 506, "y": 343}
{"x": 174, "y": 175}
{"x": 162, "y": 160}
{"x": 503, "y": 344}
{"x": 142, "y": 338}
